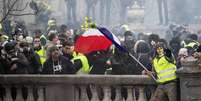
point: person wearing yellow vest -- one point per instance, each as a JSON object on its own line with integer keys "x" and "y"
{"x": 39, "y": 49}
{"x": 191, "y": 42}
{"x": 164, "y": 66}
{"x": 80, "y": 61}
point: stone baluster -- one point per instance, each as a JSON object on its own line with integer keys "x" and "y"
{"x": 41, "y": 96}
{"x": 134, "y": 94}
{"x": 152, "y": 90}
{"x": 19, "y": 96}
{"x": 130, "y": 93}
{"x": 77, "y": 96}
{"x": 141, "y": 94}
{"x": 94, "y": 93}
{"x": 84, "y": 96}
{"x": 1, "y": 90}
{"x": 118, "y": 94}
{"x": 30, "y": 96}
{"x": 8, "y": 96}
{"x": 107, "y": 93}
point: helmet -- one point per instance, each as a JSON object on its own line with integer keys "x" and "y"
{"x": 52, "y": 22}
{"x": 125, "y": 27}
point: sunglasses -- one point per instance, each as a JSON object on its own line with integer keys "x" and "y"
{"x": 37, "y": 41}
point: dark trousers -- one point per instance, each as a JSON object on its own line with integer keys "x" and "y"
{"x": 165, "y": 92}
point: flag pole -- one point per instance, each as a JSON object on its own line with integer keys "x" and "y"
{"x": 152, "y": 76}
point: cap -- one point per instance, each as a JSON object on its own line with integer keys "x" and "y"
{"x": 125, "y": 27}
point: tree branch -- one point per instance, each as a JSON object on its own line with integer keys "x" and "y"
{"x": 9, "y": 10}
{"x": 22, "y": 8}
{"x": 22, "y": 14}
{"x": 8, "y": 3}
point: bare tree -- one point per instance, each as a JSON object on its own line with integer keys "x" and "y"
{"x": 163, "y": 11}
{"x": 13, "y": 8}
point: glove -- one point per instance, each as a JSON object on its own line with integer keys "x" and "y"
{"x": 168, "y": 53}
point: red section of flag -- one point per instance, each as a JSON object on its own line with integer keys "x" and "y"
{"x": 90, "y": 43}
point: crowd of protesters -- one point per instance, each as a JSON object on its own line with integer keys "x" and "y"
{"x": 53, "y": 52}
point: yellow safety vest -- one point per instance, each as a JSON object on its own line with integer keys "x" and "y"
{"x": 42, "y": 54}
{"x": 164, "y": 69}
{"x": 85, "y": 64}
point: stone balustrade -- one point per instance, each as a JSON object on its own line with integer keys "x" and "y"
{"x": 75, "y": 87}
{"x": 190, "y": 79}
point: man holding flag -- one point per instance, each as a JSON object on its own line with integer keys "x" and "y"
{"x": 164, "y": 66}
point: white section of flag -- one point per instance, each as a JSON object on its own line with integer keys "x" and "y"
{"x": 92, "y": 32}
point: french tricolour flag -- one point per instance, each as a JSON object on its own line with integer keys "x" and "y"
{"x": 96, "y": 40}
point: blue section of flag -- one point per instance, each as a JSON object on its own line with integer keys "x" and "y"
{"x": 111, "y": 36}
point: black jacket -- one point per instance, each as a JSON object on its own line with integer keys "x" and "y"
{"x": 34, "y": 61}
{"x": 63, "y": 66}
{"x": 20, "y": 60}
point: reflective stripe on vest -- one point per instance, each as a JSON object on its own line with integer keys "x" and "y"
{"x": 164, "y": 69}
{"x": 42, "y": 55}
{"x": 85, "y": 65}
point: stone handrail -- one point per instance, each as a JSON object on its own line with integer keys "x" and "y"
{"x": 74, "y": 87}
